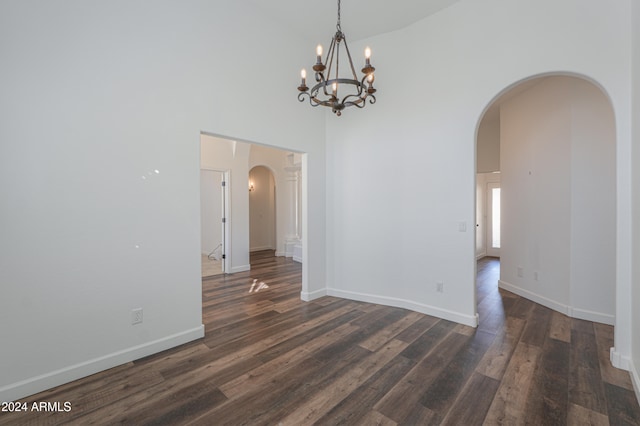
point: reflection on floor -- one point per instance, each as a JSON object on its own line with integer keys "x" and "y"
{"x": 210, "y": 267}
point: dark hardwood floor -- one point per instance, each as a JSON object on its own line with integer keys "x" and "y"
{"x": 270, "y": 359}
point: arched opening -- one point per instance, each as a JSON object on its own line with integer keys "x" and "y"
{"x": 262, "y": 209}
{"x": 552, "y": 138}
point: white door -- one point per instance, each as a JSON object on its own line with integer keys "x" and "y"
{"x": 225, "y": 221}
{"x": 493, "y": 219}
{"x": 214, "y": 207}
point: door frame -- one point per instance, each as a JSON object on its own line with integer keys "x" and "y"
{"x": 226, "y": 217}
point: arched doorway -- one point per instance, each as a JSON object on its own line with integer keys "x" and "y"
{"x": 557, "y": 166}
{"x": 262, "y": 209}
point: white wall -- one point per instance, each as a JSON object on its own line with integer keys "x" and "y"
{"x": 262, "y": 209}
{"x": 488, "y": 145}
{"x": 96, "y": 96}
{"x": 536, "y": 191}
{"x": 404, "y": 167}
{"x": 593, "y": 201}
{"x": 634, "y": 300}
{"x": 210, "y": 210}
{"x": 558, "y": 198}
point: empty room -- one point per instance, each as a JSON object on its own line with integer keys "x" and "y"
{"x": 339, "y": 212}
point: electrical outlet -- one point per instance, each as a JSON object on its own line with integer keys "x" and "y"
{"x": 520, "y": 272}
{"x": 440, "y": 287}
{"x": 535, "y": 275}
{"x": 136, "y": 316}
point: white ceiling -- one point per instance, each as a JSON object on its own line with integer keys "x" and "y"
{"x": 316, "y": 20}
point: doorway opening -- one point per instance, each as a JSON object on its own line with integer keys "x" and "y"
{"x": 262, "y": 210}
{"x": 546, "y": 178}
{"x": 286, "y": 213}
{"x": 213, "y": 226}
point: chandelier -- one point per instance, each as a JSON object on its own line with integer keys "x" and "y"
{"x": 330, "y": 86}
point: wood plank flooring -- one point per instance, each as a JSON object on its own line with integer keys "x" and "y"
{"x": 269, "y": 359}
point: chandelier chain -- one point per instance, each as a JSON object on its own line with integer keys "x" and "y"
{"x": 338, "y": 27}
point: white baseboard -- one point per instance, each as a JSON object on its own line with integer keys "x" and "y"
{"x": 592, "y": 316}
{"x": 297, "y": 253}
{"x": 68, "y": 374}
{"x": 470, "y": 320}
{"x": 252, "y": 249}
{"x": 557, "y": 306}
{"x": 635, "y": 379}
{"x": 626, "y": 363}
{"x": 619, "y": 361}
{"x": 309, "y": 296}
{"x": 241, "y": 268}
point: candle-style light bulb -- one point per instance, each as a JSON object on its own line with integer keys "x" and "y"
{"x": 319, "y": 54}
{"x": 368, "y": 69}
{"x": 367, "y": 57}
{"x": 319, "y": 67}
{"x": 303, "y": 74}
{"x": 303, "y": 84}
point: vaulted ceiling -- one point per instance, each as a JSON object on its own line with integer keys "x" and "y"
{"x": 360, "y": 19}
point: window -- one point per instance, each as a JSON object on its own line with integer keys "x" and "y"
{"x": 495, "y": 217}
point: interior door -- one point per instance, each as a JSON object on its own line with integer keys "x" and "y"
{"x": 224, "y": 223}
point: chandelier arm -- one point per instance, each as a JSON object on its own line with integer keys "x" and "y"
{"x": 326, "y": 83}
{"x": 360, "y": 105}
{"x": 301, "y": 96}
{"x": 359, "y": 100}
{"x": 324, "y": 103}
{"x": 313, "y": 101}
{"x": 337, "y": 53}
{"x": 364, "y": 85}
{"x": 359, "y": 96}
{"x": 313, "y": 96}
{"x": 362, "y": 102}
{"x": 329, "y": 60}
{"x": 353, "y": 70}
